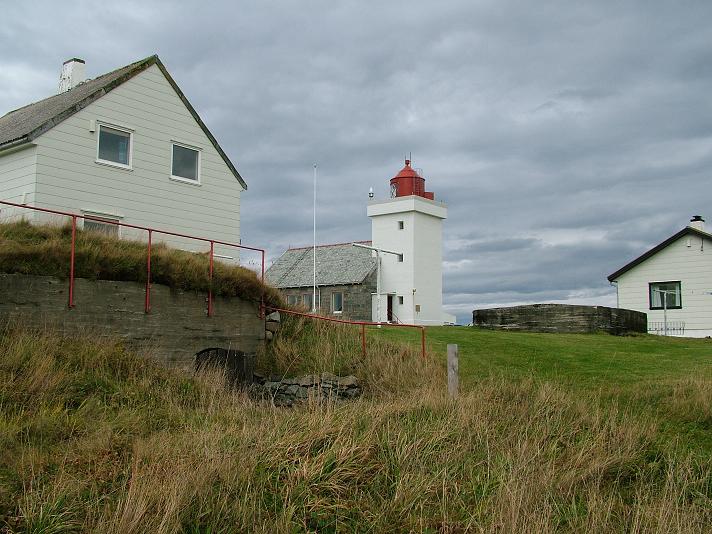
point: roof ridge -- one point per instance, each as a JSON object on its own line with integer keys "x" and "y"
{"x": 330, "y": 245}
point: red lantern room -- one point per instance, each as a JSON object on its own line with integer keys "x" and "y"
{"x": 409, "y": 182}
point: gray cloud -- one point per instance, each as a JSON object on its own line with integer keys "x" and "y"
{"x": 565, "y": 137}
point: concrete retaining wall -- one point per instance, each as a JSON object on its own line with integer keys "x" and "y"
{"x": 175, "y": 330}
{"x": 562, "y": 318}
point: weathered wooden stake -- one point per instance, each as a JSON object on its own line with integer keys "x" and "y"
{"x": 452, "y": 370}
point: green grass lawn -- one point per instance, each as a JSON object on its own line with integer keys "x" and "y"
{"x": 666, "y": 379}
{"x": 580, "y": 360}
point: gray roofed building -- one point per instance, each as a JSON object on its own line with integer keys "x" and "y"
{"x": 29, "y": 122}
{"x": 345, "y": 278}
{"x": 335, "y": 265}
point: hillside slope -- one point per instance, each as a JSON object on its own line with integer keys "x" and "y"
{"x": 93, "y": 438}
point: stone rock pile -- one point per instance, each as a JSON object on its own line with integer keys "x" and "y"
{"x": 288, "y": 391}
{"x": 273, "y": 322}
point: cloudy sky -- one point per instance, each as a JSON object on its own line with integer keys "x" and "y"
{"x": 565, "y": 137}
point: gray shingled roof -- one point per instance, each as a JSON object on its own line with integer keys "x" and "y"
{"x": 335, "y": 265}
{"x": 29, "y": 122}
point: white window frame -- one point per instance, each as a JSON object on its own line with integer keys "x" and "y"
{"x": 401, "y": 225}
{"x": 106, "y": 216}
{"x": 99, "y": 125}
{"x": 337, "y": 312}
{"x": 200, "y": 163}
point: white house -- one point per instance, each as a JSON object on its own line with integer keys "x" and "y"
{"x": 126, "y": 146}
{"x": 672, "y": 283}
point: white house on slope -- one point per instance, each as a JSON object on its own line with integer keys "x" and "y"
{"x": 126, "y": 146}
{"x": 672, "y": 281}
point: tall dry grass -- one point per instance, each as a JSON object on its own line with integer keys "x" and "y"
{"x": 95, "y": 439}
{"x": 306, "y": 345}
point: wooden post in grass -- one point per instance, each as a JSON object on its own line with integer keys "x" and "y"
{"x": 452, "y": 370}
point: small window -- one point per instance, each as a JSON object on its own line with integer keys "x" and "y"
{"x": 417, "y": 308}
{"x": 292, "y": 300}
{"x": 400, "y": 225}
{"x": 337, "y": 302}
{"x": 400, "y": 258}
{"x": 307, "y": 300}
{"x": 114, "y": 146}
{"x": 665, "y": 295}
{"x": 101, "y": 227}
{"x": 185, "y": 164}
{"x": 400, "y": 300}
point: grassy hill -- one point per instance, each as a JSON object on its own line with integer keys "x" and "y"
{"x": 96, "y": 439}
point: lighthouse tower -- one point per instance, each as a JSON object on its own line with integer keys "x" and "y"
{"x": 407, "y": 229}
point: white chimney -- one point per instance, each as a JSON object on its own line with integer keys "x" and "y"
{"x": 698, "y": 223}
{"x": 73, "y": 73}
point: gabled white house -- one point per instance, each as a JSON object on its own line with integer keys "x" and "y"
{"x": 672, "y": 283}
{"x": 125, "y": 146}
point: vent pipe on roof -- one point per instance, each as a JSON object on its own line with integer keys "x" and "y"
{"x": 73, "y": 73}
{"x": 698, "y": 223}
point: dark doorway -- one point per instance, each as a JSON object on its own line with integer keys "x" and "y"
{"x": 237, "y": 365}
{"x": 389, "y": 312}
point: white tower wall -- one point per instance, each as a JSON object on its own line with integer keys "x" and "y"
{"x": 418, "y": 278}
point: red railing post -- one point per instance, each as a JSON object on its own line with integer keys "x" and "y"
{"x": 147, "y": 304}
{"x": 422, "y": 340}
{"x": 71, "y": 261}
{"x": 210, "y": 278}
{"x": 363, "y": 339}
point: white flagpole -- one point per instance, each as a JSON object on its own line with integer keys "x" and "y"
{"x": 314, "y": 293}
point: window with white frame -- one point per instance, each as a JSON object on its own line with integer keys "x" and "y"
{"x": 400, "y": 300}
{"x": 401, "y": 225}
{"x": 400, "y": 258}
{"x": 114, "y": 146}
{"x": 292, "y": 300}
{"x": 665, "y": 295}
{"x": 185, "y": 163}
{"x": 102, "y": 225}
{"x": 337, "y": 302}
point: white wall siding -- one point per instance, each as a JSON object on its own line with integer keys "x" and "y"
{"x": 17, "y": 182}
{"x": 420, "y": 242}
{"x": 692, "y": 266}
{"x": 69, "y": 178}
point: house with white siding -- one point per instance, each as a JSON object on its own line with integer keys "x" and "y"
{"x": 672, "y": 283}
{"x": 126, "y": 146}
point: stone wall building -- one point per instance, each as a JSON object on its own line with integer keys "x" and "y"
{"x": 345, "y": 279}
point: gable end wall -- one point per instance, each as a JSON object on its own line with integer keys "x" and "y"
{"x": 69, "y": 179}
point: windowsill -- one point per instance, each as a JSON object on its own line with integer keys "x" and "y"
{"x": 113, "y": 164}
{"x": 184, "y": 180}
{"x": 669, "y": 308}
{"x": 337, "y": 313}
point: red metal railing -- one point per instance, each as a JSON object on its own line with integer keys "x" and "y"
{"x": 362, "y": 324}
{"x": 151, "y": 231}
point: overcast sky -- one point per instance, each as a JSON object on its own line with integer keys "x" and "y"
{"x": 566, "y": 138}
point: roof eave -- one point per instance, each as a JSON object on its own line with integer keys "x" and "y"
{"x": 640, "y": 259}
{"x": 14, "y": 143}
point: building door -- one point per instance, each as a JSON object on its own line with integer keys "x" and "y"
{"x": 389, "y": 316}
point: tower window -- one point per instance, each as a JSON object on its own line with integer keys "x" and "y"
{"x": 401, "y": 225}
{"x": 400, "y": 258}
{"x": 400, "y": 300}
